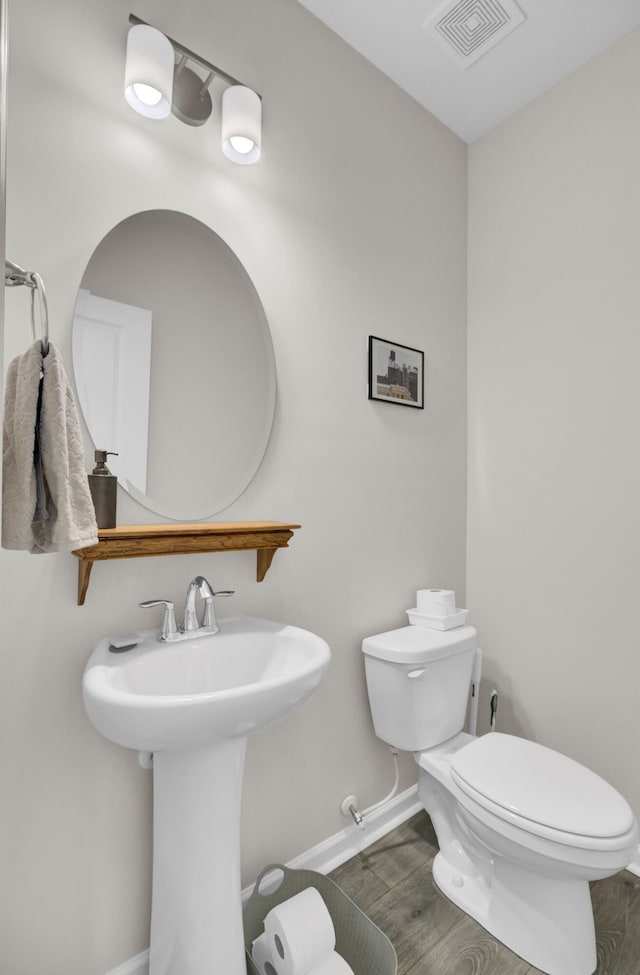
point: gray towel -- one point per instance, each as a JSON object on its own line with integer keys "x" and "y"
{"x": 46, "y": 502}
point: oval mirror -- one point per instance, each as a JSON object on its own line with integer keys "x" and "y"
{"x": 174, "y": 364}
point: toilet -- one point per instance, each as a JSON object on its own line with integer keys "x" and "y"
{"x": 521, "y": 828}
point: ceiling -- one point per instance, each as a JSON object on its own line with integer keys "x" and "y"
{"x": 512, "y": 50}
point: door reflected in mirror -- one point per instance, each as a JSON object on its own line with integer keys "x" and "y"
{"x": 174, "y": 364}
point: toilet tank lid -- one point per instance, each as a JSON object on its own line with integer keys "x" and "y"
{"x": 540, "y": 785}
{"x": 417, "y": 644}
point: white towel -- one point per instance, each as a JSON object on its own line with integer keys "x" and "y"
{"x": 66, "y": 520}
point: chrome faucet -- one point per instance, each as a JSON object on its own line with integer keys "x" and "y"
{"x": 191, "y": 626}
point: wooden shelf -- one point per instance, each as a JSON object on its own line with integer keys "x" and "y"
{"x": 140, "y": 541}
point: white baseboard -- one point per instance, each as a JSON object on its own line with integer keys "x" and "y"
{"x": 135, "y": 966}
{"x": 634, "y": 866}
{"x": 326, "y": 856}
{"x": 340, "y": 847}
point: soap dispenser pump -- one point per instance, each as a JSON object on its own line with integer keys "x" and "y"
{"x": 103, "y": 484}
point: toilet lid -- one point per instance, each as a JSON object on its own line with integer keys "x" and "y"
{"x": 540, "y": 785}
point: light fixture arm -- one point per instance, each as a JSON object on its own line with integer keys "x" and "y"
{"x": 181, "y": 63}
{"x": 207, "y": 81}
{"x": 185, "y": 55}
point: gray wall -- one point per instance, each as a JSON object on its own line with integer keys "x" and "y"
{"x": 354, "y": 223}
{"x": 554, "y": 401}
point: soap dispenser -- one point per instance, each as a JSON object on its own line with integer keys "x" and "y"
{"x": 103, "y": 484}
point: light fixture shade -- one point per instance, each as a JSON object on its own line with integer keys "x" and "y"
{"x": 148, "y": 80}
{"x": 241, "y": 124}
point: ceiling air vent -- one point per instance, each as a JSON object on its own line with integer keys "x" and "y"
{"x": 467, "y": 29}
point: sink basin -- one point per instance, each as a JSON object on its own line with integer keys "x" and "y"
{"x": 182, "y": 695}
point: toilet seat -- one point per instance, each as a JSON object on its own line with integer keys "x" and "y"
{"x": 542, "y": 792}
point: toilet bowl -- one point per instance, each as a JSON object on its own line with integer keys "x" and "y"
{"x": 521, "y": 828}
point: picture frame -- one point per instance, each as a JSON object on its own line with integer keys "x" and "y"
{"x": 396, "y": 373}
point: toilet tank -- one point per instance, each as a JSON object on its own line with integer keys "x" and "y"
{"x": 418, "y": 681}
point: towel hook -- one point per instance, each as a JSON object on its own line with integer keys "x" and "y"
{"x": 43, "y": 310}
{"x": 15, "y": 275}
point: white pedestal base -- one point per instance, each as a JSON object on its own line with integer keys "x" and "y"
{"x": 196, "y": 914}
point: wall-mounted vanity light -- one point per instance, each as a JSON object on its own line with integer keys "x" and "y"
{"x": 158, "y": 81}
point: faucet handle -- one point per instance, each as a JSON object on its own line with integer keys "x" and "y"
{"x": 169, "y": 628}
{"x": 209, "y": 618}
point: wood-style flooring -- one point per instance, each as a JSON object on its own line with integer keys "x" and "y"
{"x": 392, "y": 883}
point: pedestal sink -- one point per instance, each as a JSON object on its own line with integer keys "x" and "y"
{"x": 193, "y": 704}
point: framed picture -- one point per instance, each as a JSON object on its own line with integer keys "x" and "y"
{"x": 396, "y": 373}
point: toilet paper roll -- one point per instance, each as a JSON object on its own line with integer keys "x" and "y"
{"x": 436, "y": 602}
{"x": 299, "y": 932}
{"x": 332, "y": 964}
{"x": 262, "y": 956}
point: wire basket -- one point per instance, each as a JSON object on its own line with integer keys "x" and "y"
{"x": 362, "y": 945}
